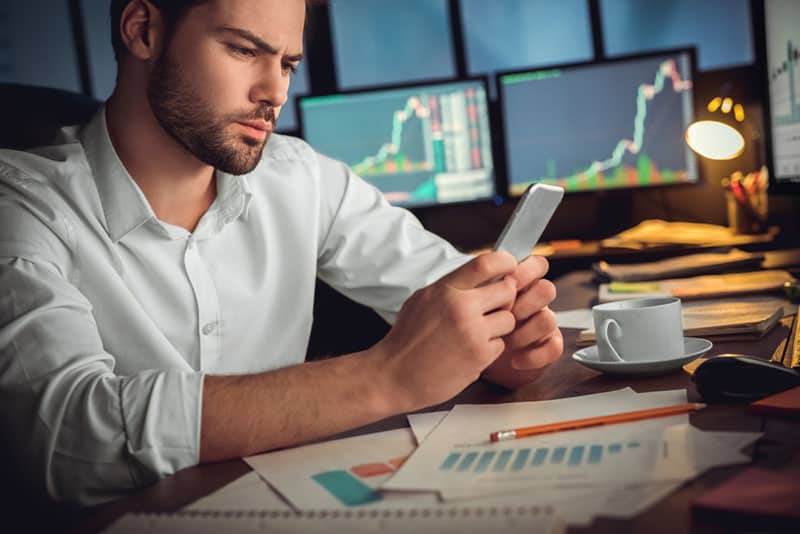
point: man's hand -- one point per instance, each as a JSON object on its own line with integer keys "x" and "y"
{"x": 536, "y": 340}
{"x": 448, "y": 333}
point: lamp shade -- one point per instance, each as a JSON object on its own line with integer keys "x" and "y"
{"x": 714, "y": 139}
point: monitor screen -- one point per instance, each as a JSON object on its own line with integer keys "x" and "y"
{"x": 782, "y": 25}
{"x": 720, "y": 29}
{"x": 382, "y": 43}
{"x": 593, "y": 126}
{"x": 420, "y": 145}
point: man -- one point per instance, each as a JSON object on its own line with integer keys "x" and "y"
{"x": 157, "y": 269}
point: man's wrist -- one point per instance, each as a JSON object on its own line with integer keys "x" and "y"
{"x": 383, "y": 388}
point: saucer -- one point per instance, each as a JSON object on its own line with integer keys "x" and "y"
{"x": 693, "y": 347}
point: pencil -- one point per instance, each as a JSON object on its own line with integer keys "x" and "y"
{"x": 503, "y": 435}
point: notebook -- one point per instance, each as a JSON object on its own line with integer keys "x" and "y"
{"x": 698, "y": 287}
{"x": 786, "y": 404}
{"x": 690, "y": 265}
{"x": 755, "y": 492}
{"x": 427, "y": 520}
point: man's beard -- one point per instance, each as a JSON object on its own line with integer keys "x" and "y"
{"x": 189, "y": 120}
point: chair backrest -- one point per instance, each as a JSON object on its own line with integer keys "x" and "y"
{"x": 31, "y": 116}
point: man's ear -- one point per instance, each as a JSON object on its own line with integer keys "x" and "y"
{"x": 142, "y": 29}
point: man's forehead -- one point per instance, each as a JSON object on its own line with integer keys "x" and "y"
{"x": 277, "y": 22}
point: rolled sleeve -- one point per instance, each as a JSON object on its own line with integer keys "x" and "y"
{"x": 83, "y": 433}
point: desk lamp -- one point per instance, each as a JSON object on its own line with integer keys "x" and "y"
{"x": 718, "y": 137}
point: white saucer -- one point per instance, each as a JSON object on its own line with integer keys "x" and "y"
{"x": 693, "y": 347}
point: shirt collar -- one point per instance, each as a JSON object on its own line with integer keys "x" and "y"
{"x": 125, "y": 206}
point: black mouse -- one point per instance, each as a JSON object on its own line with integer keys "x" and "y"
{"x": 737, "y": 377}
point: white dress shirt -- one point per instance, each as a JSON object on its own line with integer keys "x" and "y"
{"x": 109, "y": 317}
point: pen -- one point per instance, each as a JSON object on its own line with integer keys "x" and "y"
{"x": 503, "y": 435}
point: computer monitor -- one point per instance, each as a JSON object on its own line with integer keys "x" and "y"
{"x": 782, "y": 72}
{"x": 421, "y": 145}
{"x": 604, "y": 125}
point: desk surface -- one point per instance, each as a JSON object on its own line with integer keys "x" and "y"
{"x": 565, "y": 378}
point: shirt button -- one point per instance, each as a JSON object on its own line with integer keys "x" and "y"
{"x": 209, "y": 328}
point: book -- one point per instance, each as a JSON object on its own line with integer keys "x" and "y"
{"x": 732, "y": 319}
{"x": 657, "y": 233}
{"x": 755, "y": 492}
{"x": 786, "y": 404}
{"x": 689, "y": 265}
{"x": 698, "y": 287}
{"x": 789, "y": 353}
{"x": 427, "y": 520}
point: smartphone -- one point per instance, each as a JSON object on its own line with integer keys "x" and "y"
{"x": 530, "y": 217}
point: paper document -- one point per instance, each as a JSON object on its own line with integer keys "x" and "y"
{"x": 458, "y": 457}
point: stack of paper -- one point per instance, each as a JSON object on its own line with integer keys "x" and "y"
{"x": 446, "y": 460}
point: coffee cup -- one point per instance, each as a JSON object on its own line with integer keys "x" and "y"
{"x": 637, "y": 330}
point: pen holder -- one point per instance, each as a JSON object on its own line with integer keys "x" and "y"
{"x": 747, "y": 215}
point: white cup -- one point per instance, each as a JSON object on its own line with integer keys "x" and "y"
{"x": 636, "y": 330}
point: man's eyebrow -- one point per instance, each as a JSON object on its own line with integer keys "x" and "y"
{"x": 259, "y": 43}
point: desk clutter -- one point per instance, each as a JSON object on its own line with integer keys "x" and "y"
{"x": 726, "y": 295}
{"x": 444, "y": 474}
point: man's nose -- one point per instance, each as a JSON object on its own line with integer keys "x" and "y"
{"x": 273, "y": 86}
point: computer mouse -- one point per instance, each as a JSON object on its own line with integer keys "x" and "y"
{"x": 738, "y": 377}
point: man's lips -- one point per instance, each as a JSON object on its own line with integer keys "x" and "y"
{"x": 257, "y": 128}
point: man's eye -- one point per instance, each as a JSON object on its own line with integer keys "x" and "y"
{"x": 290, "y": 67}
{"x": 242, "y": 51}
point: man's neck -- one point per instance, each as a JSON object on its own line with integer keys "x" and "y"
{"x": 179, "y": 187}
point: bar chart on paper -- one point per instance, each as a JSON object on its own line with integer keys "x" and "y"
{"x": 531, "y": 458}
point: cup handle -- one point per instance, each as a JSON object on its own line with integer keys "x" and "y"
{"x": 603, "y": 341}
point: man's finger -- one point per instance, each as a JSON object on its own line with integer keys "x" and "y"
{"x": 482, "y": 270}
{"x": 529, "y": 270}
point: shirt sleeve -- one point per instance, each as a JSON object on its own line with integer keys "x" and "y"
{"x": 372, "y": 252}
{"x": 75, "y": 428}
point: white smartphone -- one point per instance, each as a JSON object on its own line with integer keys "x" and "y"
{"x": 530, "y": 217}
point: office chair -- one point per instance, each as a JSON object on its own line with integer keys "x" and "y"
{"x": 31, "y": 116}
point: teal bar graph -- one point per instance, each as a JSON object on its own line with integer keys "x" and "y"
{"x": 595, "y": 454}
{"x": 347, "y": 489}
{"x": 467, "y": 461}
{"x": 540, "y": 456}
{"x": 576, "y": 455}
{"x": 483, "y": 463}
{"x": 517, "y": 460}
{"x": 502, "y": 460}
{"x": 450, "y": 461}
{"x": 521, "y": 459}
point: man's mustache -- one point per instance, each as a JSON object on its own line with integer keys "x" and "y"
{"x": 266, "y": 114}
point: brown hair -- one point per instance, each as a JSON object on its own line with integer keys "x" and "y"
{"x": 171, "y": 10}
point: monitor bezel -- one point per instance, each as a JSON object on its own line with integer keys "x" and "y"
{"x": 504, "y": 182}
{"x": 759, "y": 15}
{"x": 483, "y": 80}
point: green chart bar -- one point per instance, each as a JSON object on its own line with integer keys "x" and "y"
{"x": 576, "y": 455}
{"x": 558, "y": 455}
{"x": 450, "y": 461}
{"x": 595, "y": 454}
{"x": 615, "y": 448}
{"x": 466, "y": 462}
{"x": 521, "y": 459}
{"x": 540, "y": 456}
{"x": 502, "y": 460}
{"x": 483, "y": 463}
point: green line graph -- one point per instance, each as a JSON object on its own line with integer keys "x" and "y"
{"x": 389, "y": 158}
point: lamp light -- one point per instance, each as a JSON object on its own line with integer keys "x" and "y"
{"x": 718, "y": 137}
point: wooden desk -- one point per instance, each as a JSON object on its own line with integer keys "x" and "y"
{"x": 563, "y": 379}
